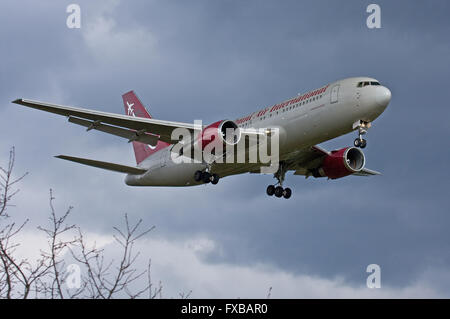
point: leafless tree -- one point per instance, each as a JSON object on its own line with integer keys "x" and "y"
{"x": 269, "y": 293}
{"x": 48, "y": 276}
{"x": 105, "y": 279}
{"x": 17, "y": 276}
{"x": 53, "y": 286}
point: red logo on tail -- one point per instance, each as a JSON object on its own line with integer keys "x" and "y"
{"x": 133, "y": 107}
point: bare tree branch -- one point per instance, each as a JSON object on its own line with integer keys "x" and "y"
{"x": 47, "y": 276}
{"x": 56, "y": 247}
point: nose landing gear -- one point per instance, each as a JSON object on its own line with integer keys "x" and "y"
{"x": 360, "y": 142}
{"x": 279, "y": 191}
{"x": 362, "y": 129}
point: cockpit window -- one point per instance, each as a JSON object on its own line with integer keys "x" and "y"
{"x": 363, "y": 84}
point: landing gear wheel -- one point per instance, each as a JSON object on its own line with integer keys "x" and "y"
{"x": 360, "y": 142}
{"x": 287, "y": 193}
{"x": 198, "y": 176}
{"x": 270, "y": 190}
{"x": 214, "y": 179}
{"x": 363, "y": 143}
{"x": 278, "y": 191}
{"x": 206, "y": 177}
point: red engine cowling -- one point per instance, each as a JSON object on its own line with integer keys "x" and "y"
{"x": 341, "y": 163}
{"x": 225, "y": 132}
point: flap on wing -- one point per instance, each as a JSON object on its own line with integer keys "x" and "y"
{"x": 131, "y": 135}
{"x": 104, "y": 165}
{"x": 156, "y": 127}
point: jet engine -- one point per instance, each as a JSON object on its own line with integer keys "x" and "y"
{"x": 225, "y": 132}
{"x": 341, "y": 163}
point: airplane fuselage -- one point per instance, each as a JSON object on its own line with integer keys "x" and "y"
{"x": 303, "y": 121}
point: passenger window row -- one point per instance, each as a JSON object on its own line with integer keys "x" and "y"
{"x": 285, "y": 110}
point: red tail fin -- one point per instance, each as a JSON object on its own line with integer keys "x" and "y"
{"x": 134, "y": 107}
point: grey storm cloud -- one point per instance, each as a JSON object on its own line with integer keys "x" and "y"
{"x": 211, "y": 60}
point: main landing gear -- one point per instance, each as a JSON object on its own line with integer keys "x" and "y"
{"x": 279, "y": 191}
{"x": 362, "y": 129}
{"x": 206, "y": 177}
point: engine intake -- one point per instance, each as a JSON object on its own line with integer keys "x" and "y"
{"x": 341, "y": 163}
{"x": 225, "y": 132}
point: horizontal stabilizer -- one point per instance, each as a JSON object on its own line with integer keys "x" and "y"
{"x": 105, "y": 165}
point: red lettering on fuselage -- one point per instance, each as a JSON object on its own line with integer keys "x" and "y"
{"x": 279, "y": 106}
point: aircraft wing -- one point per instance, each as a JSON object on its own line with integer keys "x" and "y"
{"x": 133, "y": 128}
{"x": 301, "y": 162}
{"x": 312, "y": 157}
{"x": 367, "y": 172}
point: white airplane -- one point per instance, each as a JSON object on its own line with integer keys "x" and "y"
{"x": 302, "y": 122}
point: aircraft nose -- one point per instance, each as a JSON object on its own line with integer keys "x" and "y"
{"x": 383, "y": 96}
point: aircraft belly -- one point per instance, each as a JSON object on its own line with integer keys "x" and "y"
{"x": 169, "y": 175}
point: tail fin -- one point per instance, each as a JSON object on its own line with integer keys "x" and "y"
{"x": 134, "y": 107}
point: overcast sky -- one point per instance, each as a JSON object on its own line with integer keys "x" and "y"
{"x": 212, "y": 60}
